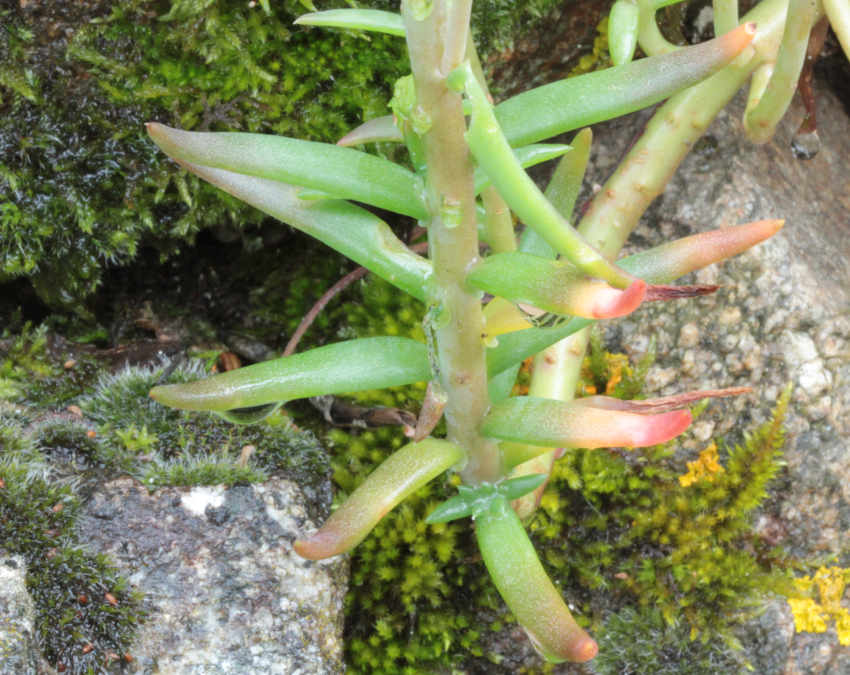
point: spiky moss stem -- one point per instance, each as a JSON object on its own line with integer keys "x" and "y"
{"x": 453, "y": 242}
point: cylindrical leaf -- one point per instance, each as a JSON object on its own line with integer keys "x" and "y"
{"x": 451, "y": 509}
{"x": 623, "y": 31}
{"x": 838, "y": 12}
{"x": 527, "y": 591}
{"x": 356, "y": 365}
{"x": 657, "y": 266}
{"x": 553, "y": 286}
{"x": 527, "y": 156}
{"x": 359, "y": 19}
{"x": 347, "y": 228}
{"x": 760, "y": 120}
{"x": 562, "y": 191}
{"x": 379, "y": 129}
{"x": 556, "y": 424}
{"x": 399, "y": 476}
{"x": 520, "y": 486}
{"x": 349, "y": 173}
{"x": 667, "y": 262}
{"x": 581, "y": 101}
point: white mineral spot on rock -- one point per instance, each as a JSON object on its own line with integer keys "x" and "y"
{"x": 199, "y": 498}
{"x": 729, "y": 316}
{"x": 814, "y": 378}
{"x": 702, "y": 430}
{"x": 689, "y": 335}
{"x": 797, "y": 348}
{"x": 659, "y": 378}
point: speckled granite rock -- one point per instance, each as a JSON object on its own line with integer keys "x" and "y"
{"x": 782, "y": 315}
{"x": 226, "y": 593}
{"x": 18, "y": 652}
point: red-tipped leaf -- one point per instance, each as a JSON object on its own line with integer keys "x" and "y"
{"x": 549, "y": 423}
{"x": 404, "y": 472}
{"x": 553, "y": 286}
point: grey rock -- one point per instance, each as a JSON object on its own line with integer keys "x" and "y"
{"x": 18, "y": 652}
{"x": 225, "y": 591}
{"x": 783, "y": 315}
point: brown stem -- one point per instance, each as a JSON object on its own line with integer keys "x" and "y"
{"x": 329, "y": 295}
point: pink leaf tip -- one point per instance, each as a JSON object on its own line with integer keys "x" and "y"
{"x": 611, "y": 303}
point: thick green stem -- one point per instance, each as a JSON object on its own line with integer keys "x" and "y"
{"x": 556, "y": 372}
{"x": 453, "y": 238}
{"x": 725, "y": 16}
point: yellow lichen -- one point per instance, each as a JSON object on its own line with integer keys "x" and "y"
{"x": 811, "y": 616}
{"x": 831, "y": 585}
{"x": 619, "y": 363}
{"x": 704, "y": 468}
{"x": 807, "y": 615}
{"x": 842, "y": 625}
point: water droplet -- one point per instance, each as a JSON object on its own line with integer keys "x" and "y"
{"x": 249, "y": 415}
{"x": 805, "y": 144}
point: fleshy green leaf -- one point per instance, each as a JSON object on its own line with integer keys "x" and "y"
{"x": 374, "y": 131}
{"x": 356, "y": 365}
{"x": 359, "y": 19}
{"x": 349, "y": 173}
{"x": 558, "y": 424}
{"x": 451, "y": 509}
{"x": 527, "y": 591}
{"x": 527, "y": 156}
{"x": 399, "y": 476}
{"x": 623, "y": 31}
{"x": 515, "y": 488}
{"x": 581, "y": 101}
{"x": 660, "y": 265}
{"x": 553, "y": 286}
{"x": 347, "y": 228}
{"x": 494, "y": 155}
{"x": 562, "y": 192}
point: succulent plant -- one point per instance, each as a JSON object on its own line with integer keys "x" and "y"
{"x": 547, "y": 289}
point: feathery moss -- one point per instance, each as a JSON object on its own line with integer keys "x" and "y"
{"x": 85, "y": 611}
{"x": 80, "y": 183}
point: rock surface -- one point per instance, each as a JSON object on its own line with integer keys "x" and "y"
{"x": 18, "y": 652}
{"x": 225, "y": 591}
{"x": 783, "y": 315}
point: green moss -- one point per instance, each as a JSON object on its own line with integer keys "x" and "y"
{"x": 644, "y": 559}
{"x": 641, "y": 641}
{"x": 164, "y": 446}
{"x": 81, "y": 184}
{"x": 31, "y": 375}
{"x": 200, "y": 471}
{"x": 85, "y": 610}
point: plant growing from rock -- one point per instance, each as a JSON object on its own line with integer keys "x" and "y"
{"x": 547, "y": 289}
